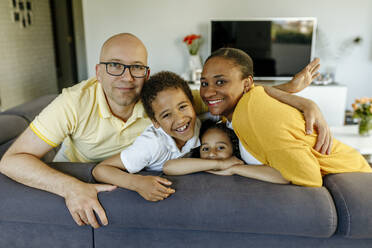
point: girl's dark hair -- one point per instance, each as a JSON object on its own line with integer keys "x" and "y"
{"x": 239, "y": 57}
{"x": 209, "y": 124}
{"x": 159, "y": 82}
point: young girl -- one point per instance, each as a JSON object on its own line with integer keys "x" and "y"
{"x": 219, "y": 154}
{"x": 217, "y": 141}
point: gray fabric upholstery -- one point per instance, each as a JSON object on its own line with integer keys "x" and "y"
{"x": 34, "y": 235}
{"x": 5, "y": 146}
{"x": 82, "y": 171}
{"x": 11, "y": 127}
{"x": 15, "y": 120}
{"x": 207, "y": 202}
{"x": 32, "y": 108}
{"x": 106, "y": 237}
{"x": 353, "y": 199}
{"x": 28, "y": 205}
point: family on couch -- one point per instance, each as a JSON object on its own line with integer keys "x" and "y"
{"x": 100, "y": 119}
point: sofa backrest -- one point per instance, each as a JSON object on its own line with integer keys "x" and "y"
{"x": 32, "y": 108}
{"x": 15, "y": 120}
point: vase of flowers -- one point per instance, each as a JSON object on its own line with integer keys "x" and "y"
{"x": 363, "y": 111}
{"x": 193, "y": 43}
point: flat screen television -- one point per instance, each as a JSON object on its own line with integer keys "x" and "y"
{"x": 279, "y": 47}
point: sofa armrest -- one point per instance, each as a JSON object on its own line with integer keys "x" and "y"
{"x": 11, "y": 126}
{"x": 353, "y": 200}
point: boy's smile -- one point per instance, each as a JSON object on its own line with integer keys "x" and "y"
{"x": 175, "y": 114}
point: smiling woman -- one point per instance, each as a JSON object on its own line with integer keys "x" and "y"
{"x": 271, "y": 131}
{"x": 222, "y": 86}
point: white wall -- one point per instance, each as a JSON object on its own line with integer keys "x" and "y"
{"x": 27, "y": 64}
{"x": 162, "y": 24}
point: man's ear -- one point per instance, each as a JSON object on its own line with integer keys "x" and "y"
{"x": 248, "y": 82}
{"x": 148, "y": 74}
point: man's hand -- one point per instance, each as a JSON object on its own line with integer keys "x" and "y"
{"x": 227, "y": 163}
{"x": 314, "y": 119}
{"x": 303, "y": 79}
{"x": 153, "y": 188}
{"x": 82, "y": 201}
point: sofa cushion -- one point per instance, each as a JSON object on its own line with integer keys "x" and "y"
{"x": 5, "y": 146}
{"x": 11, "y": 127}
{"x": 33, "y": 235}
{"x": 353, "y": 199}
{"x": 20, "y": 203}
{"x": 209, "y": 202}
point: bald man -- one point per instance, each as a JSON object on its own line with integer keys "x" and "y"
{"x": 93, "y": 120}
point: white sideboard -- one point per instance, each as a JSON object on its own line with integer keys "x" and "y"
{"x": 331, "y": 100}
{"x": 349, "y": 136}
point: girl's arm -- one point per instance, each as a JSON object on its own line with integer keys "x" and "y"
{"x": 259, "y": 172}
{"x": 183, "y": 166}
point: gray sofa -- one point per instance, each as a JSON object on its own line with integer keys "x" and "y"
{"x": 206, "y": 210}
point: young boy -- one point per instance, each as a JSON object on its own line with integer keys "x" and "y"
{"x": 168, "y": 102}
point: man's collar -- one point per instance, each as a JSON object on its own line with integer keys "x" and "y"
{"x": 104, "y": 109}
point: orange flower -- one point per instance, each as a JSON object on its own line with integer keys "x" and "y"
{"x": 362, "y": 108}
{"x": 193, "y": 42}
{"x": 364, "y": 100}
{"x": 189, "y": 38}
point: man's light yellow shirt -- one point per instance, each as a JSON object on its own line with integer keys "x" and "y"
{"x": 80, "y": 117}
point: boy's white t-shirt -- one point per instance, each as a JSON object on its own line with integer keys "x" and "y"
{"x": 154, "y": 147}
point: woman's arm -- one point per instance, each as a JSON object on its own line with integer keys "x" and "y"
{"x": 312, "y": 114}
{"x": 259, "y": 172}
{"x": 183, "y": 166}
{"x": 302, "y": 79}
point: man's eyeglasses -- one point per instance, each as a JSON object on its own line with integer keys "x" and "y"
{"x": 117, "y": 69}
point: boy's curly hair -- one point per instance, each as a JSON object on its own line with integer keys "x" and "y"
{"x": 209, "y": 124}
{"x": 159, "y": 82}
